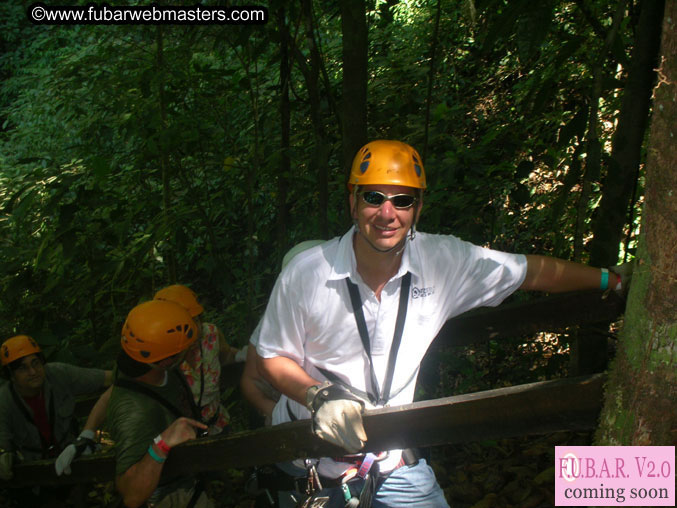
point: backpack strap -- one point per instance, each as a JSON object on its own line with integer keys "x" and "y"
{"x": 134, "y": 386}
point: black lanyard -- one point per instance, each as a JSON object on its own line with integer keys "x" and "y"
{"x": 374, "y": 396}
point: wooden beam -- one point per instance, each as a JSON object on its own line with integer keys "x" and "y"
{"x": 547, "y": 314}
{"x": 536, "y": 408}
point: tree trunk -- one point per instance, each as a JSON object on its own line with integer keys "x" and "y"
{"x": 628, "y": 138}
{"x": 431, "y": 78}
{"x": 285, "y": 129}
{"x": 253, "y": 78}
{"x": 589, "y": 347}
{"x": 355, "y": 52}
{"x": 640, "y": 396}
{"x": 594, "y": 147}
{"x": 320, "y": 157}
{"x": 164, "y": 160}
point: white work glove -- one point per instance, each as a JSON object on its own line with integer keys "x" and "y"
{"x": 624, "y": 271}
{"x": 6, "y": 462}
{"x": 337, "y": 416}
{"x": 83, "y": 445}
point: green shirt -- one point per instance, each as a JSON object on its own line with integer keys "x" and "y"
{"x": 134, "y": 419}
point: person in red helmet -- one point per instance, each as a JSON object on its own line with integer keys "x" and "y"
{"x": 348, "y": 323}
{"x": 37, "y": 406}
{"x": 151, "y": 409}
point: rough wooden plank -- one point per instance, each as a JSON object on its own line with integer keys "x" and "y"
{"x": 536, "y": 408}
{"x": 547, "y": 314}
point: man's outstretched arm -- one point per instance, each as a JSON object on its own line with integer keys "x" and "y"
{"x": 555, "y": 275}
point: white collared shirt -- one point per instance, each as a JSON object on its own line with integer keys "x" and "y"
{"x": 310, "y": 319}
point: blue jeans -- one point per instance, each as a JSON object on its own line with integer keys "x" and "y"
{"x": 406, "y": 487}
{"x": 410, "y": 486}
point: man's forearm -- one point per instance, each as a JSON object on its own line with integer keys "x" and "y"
{"x": 249, "y": 387}
{"x": 98, "y": 413}
{"x": 138, "y": 483}
{"x": 287, "y": 376}
{"x": 555, "y": 275}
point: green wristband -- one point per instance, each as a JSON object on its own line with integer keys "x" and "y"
{"x": 154, "y": 455}
{"x": 604, "y": 282}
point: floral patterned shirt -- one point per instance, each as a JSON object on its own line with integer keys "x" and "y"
{"x": 202, "y": 370}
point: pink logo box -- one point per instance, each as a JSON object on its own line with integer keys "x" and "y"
{"x": 614, "y": 476}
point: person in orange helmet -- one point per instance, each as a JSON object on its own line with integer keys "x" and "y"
{"x": 202, "y": 364}
{"x": 201, "y": 368}
{"x": 37, "y": 404}
{"x": 348, "y": 323}
{"x": 151, "y": 408}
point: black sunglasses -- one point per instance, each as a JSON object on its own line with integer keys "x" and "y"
{"x": 399, "y": 201}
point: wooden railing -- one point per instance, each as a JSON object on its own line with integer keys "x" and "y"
{"x": 536, "y": 408}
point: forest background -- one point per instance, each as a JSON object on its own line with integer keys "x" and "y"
{"x": 132, "y": 157}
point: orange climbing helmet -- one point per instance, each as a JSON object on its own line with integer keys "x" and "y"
{"x": 387, "y": 162}
{"x": 156, "y": 330}
{"x": 182, "y": 295}
{"x": 18, "y": 347}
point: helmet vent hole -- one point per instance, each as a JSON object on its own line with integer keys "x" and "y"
{"x": 190, "y": 333}
{"x": 145, "y": 354}
{"x": 364, "y": 166}
{"x": 418, "y": 169}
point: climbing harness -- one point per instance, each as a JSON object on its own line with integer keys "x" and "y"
{"x": 365, "y": 468}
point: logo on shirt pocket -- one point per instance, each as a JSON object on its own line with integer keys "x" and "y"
{"x": 422, "y": 292}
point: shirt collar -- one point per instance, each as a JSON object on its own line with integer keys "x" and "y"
{"x": 345, "y": 264}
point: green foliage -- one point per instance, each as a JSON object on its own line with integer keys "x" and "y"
{"x": 128, "y": 148}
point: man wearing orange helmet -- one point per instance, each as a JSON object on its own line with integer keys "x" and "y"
{"x": 151, "y": 409}
{"x": 201, "y": 369}
{"x": 348, "y": 323}
{"x": 202, "y": 364}
{"x": 37, "y": 406}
